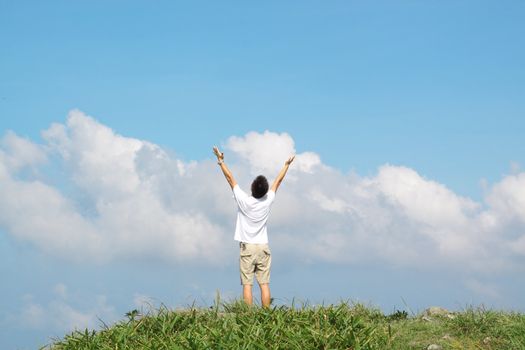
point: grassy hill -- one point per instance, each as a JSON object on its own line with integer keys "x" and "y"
{"x": 344, "y": 326}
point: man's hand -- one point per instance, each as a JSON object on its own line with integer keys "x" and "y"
{"x": 218, "y": 154}
{"x": 227, "y": 173}
{"x": 282, "y": 173}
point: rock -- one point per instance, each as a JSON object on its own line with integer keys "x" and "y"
{"x": 446, "y": 337}
{"x": 426, "y": 318}
{"x": 434, "y": 347}
{"x": 436, "y": 311}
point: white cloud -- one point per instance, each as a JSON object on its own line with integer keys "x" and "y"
{"x": 264, "y": 152}
{"x": 33, "y": 316}
{"x": 61, "y": 290}
{"x": 17, "y": 152}
{"x": 128, "y": 198}
{"x": 507, "y": 198}
{"x": 267, "y": 152}
{"x": 483, "y": 289}
{"x": 59, "y": 315}
{"x": 144, "y": 303}
{"x": 39, "y": 213}
{"x": 101, "y": 161}
{"x": 515, "y": 167}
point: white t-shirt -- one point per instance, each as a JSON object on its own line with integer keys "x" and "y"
{"x": 252, "y": 216}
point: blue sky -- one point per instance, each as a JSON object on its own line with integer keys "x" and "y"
{"x": 406, "y": 114}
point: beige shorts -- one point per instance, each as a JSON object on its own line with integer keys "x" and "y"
{"x": 255, "y": 259}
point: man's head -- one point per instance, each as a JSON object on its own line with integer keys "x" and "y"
{"x": 259, "y": 187}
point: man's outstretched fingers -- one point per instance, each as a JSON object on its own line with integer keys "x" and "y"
{"x": 218, "y": 154}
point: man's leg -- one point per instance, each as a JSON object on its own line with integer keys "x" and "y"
{"x": 247, "y": 270}
{"x": 264, "y": 264}
{"x": 247, "y": 293}
{"x": 265, "y": 294}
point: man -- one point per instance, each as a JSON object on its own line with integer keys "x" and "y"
{"x": 250, "y": 230}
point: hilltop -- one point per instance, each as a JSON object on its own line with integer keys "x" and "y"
{"x": 344, "y": 326}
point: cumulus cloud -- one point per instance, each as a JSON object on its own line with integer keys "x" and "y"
{"x": 264, "y": 153}
{"x": 20, "y": 152}
{"x": 117, "y": 205}
{"x": 127, "y": 198}
{"x": 507, "y": 198}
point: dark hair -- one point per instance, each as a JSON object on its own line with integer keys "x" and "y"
{"x": 259, "y": 187}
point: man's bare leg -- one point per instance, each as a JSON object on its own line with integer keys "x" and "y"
{"x": 247, "y": 294}
{"x": 265, "y": 294}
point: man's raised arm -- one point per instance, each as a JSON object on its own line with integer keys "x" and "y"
{"x": 227, "y": 173}
{"x": 282, "y": 173}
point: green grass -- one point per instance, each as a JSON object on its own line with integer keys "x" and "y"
{"x": 344, "y": 326}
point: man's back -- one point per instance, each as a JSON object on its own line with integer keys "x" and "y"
{"x": 252, "y": 216}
